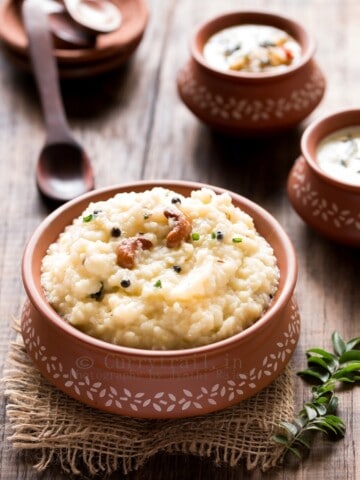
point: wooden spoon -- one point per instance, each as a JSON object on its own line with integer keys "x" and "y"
{"x": 63, "y": 169}
{"x": 96, "y": 16}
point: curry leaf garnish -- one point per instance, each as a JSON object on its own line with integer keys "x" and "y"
{"x": 325, "y": 370}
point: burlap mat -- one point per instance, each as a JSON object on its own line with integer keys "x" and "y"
{"x": 59, "y": 430}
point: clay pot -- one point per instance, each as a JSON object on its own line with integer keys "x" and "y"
{"x": 159, "y": 384}
{"x": 251, "y": 103}
{"x": 110, "y": 51}
{"x": 328, "y": 205}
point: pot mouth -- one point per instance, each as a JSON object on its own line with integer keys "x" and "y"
{"x": 320, "y": 129}
{"x": 258, "y": 17}
{"x": 39, "y": 241}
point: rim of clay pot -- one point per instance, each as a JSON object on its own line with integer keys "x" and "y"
{"x": 37, "y": 298}
{"x": 210, "y": 27}
{"x": 320, "y": 129}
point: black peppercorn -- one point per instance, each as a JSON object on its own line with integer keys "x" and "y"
{"x": 177, "y": 269}
{"x": 115, "y": 232}
{"x": 125, "y": 283}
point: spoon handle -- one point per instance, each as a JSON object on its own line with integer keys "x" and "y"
{"x": 45, "y": 70}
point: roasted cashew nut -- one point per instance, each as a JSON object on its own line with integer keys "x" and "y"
{"x": 181, "y": 228}
{"x": 126, "y": 250}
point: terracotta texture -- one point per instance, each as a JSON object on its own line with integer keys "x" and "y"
{"x": 328, "y": 205}
{"x": 111, "y": 50}
{"x": 251, "y": 103}
{"x": 159, "y": 384}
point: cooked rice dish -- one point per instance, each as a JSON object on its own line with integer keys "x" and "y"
{"x": 157, "y": 270}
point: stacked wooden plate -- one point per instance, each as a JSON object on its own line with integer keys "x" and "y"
{"x": 110, "y": 51}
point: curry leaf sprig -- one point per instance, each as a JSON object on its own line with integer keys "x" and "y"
{"x": 325, "y": 370}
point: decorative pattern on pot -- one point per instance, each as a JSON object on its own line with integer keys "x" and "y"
{"x": 82, "y": 386}
{"x": 230, "y": 108}
{"x": 328, "y": 211}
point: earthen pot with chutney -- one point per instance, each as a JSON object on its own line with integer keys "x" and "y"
{"x": 251, "y": 73}
{"x": 324, "y": 183}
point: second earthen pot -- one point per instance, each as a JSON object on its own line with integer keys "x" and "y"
{"x": 329, "y": 205}
{"x": 249, "y": 103}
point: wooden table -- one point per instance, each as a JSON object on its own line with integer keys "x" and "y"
{"x": 134, "y": 126}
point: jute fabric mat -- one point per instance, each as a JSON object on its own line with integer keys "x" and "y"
{"x": 59, "y": 430}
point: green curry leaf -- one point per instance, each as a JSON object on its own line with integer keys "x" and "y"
{"x": 326, "y": 370}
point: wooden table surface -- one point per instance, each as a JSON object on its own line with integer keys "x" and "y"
{"x": 135, "y": 127}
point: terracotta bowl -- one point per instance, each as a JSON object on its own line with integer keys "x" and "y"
{"x": 251, "y": 103}
{"x": 327, "y": 204}
{"x": 110, "y": 51}
{"x": 151, "y": 383}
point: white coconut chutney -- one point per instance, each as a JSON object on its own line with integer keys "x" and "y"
{"x": 338, "y": 154}
{"x": 251, "y": 48}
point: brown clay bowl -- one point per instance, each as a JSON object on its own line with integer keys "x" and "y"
{"x": 327, "y": 204}
{"x": 151, "y": 383}
{"x": 72, "y": 70}
{"x": 109, "y": 47}
{"x": 251, "y": 103}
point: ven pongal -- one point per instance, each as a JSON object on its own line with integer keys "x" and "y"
{"x": 151, "y": 383}
{"x": 159, "y": 270}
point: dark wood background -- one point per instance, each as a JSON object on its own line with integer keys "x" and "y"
{"x": 134, "y": 126}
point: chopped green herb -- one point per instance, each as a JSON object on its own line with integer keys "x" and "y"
{"x": 195, "y": 236}
{"x": 230, "y": 50}
{"x": 177, "y": 268}
{"x": 91, "y": 216}
{"x": 350, "y": 152}
{"x": 218, "y": 235}
{"x": 88, "y": 218}
{"x": 125, "y": 283}
{"x": 237, "y": 240}
{"x": 115, "y": 232}
{"x": 158, "y": 284}
{"x": 267, "y": 43}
